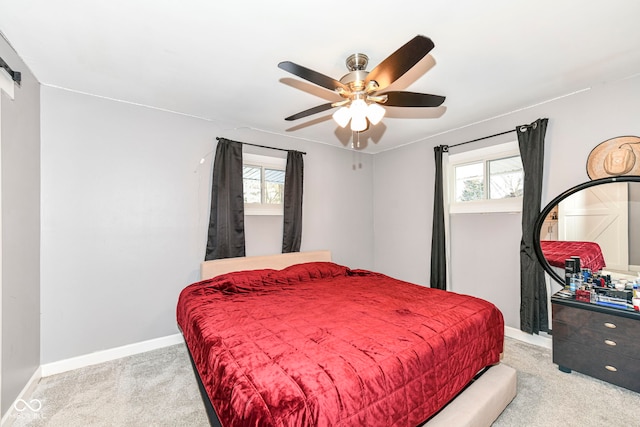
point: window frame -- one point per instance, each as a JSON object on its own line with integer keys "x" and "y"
{"x": 485, "y": 155}
{"x": 263, "y": 162}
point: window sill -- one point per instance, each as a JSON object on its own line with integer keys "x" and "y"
{"x": 483, "y": 206}
{"x": 261, "y": 212}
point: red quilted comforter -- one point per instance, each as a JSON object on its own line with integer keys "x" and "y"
{"x": 557, "y": 251}
{"x": 320, "y": 344}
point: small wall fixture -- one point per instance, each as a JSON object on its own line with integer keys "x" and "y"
{"x": 16, "y": 76}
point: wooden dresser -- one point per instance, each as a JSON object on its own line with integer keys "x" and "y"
{"x": 598, "y": 341}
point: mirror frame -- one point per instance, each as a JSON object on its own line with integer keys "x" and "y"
{"x": 541, "y": 217}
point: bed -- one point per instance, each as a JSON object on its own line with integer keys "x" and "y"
{"x": 297, "y": 340}
{"x": 557, "y": 251}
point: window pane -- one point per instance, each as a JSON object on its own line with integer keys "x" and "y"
{"x": 251, "y": 184}
{"x": 469, "y": 182}
{"x": 506, "y": 178}
{"x": 274, "y": 186}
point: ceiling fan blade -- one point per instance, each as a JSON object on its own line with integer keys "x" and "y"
{"x": 400, "y": 61}
{"x": 412, "y": 99}
{"x": 312, "y": 76}
{"x": 310, "y": 111}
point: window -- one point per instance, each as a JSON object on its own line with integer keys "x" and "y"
{"x": 486, "y": 180}
{"x": 263, "y": 184}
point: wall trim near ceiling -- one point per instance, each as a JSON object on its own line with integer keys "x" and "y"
{"x": 488, "y": 119}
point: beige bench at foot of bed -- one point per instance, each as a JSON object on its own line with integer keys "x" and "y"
{"x": 482, "y": 402}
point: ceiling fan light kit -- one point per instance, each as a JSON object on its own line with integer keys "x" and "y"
{"x": 375, "y": 113}
{"x": 359, "y": 113}
{"x": 342, "y": 116}
{"x": 361, "y": 103}
{"x": 358, "y": 123}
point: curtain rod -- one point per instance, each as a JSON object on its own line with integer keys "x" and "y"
{"x": 521, "y": 127}
{"x": 16, "y": 76}
{"x": 264, "y": 146}
{"x": 480, "y": 139}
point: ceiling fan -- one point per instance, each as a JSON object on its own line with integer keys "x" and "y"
{"x": 360, "y": 89}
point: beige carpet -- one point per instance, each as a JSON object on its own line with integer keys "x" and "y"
{"x": 547, "y": 397}
{"x": 158, "y": 389}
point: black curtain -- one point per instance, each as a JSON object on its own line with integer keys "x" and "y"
{"x": 293, "y": 180}
{"x": 226, "y": 220}
{"x": 533, "y": 290}
{"x": 438, "y": 243}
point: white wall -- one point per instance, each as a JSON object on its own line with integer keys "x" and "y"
{"x": 125, "y": 209}
{"x": 403, "y": 205}
{"x": 20, "y": 266}
{"x": 402, "y": 227}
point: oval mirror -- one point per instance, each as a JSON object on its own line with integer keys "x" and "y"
{"x": 598, "y": 221}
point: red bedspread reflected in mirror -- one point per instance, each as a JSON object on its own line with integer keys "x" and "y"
{"x": 556, "y": 252}
{"x": 320, "y": 344}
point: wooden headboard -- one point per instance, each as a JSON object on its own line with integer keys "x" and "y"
{"x": 209, "y": 269}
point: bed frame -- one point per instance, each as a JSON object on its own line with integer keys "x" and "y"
{"x": 479, "y": 404}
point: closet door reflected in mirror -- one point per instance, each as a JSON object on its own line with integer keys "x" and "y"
{"x": 597, "y": 215}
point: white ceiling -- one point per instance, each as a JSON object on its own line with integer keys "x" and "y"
{"x": 218, "y": 59}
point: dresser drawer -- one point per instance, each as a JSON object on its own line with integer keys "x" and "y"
{"x": 612, "y": 325}
{"x": 598, "y": 339}
{"x": 612, "y": 367}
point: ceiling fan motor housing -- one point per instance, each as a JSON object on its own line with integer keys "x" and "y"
{"x": 356, "y": 64}
{"x": 355, "y": 80}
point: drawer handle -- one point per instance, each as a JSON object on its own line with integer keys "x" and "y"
{"x": 611, "y": 368}
{"x": 609, "y": 342}
{"x": 610, "y": 325}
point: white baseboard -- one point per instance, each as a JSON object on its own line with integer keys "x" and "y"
{"x": 53, "y": 368}
{"x": 542, "y": 340}
{"x": 70, "y": 364}
{"x": 11, "y": 414}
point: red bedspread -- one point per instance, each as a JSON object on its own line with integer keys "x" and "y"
{"x": 556, "y": 252}
{"x": 320, "y": 344}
